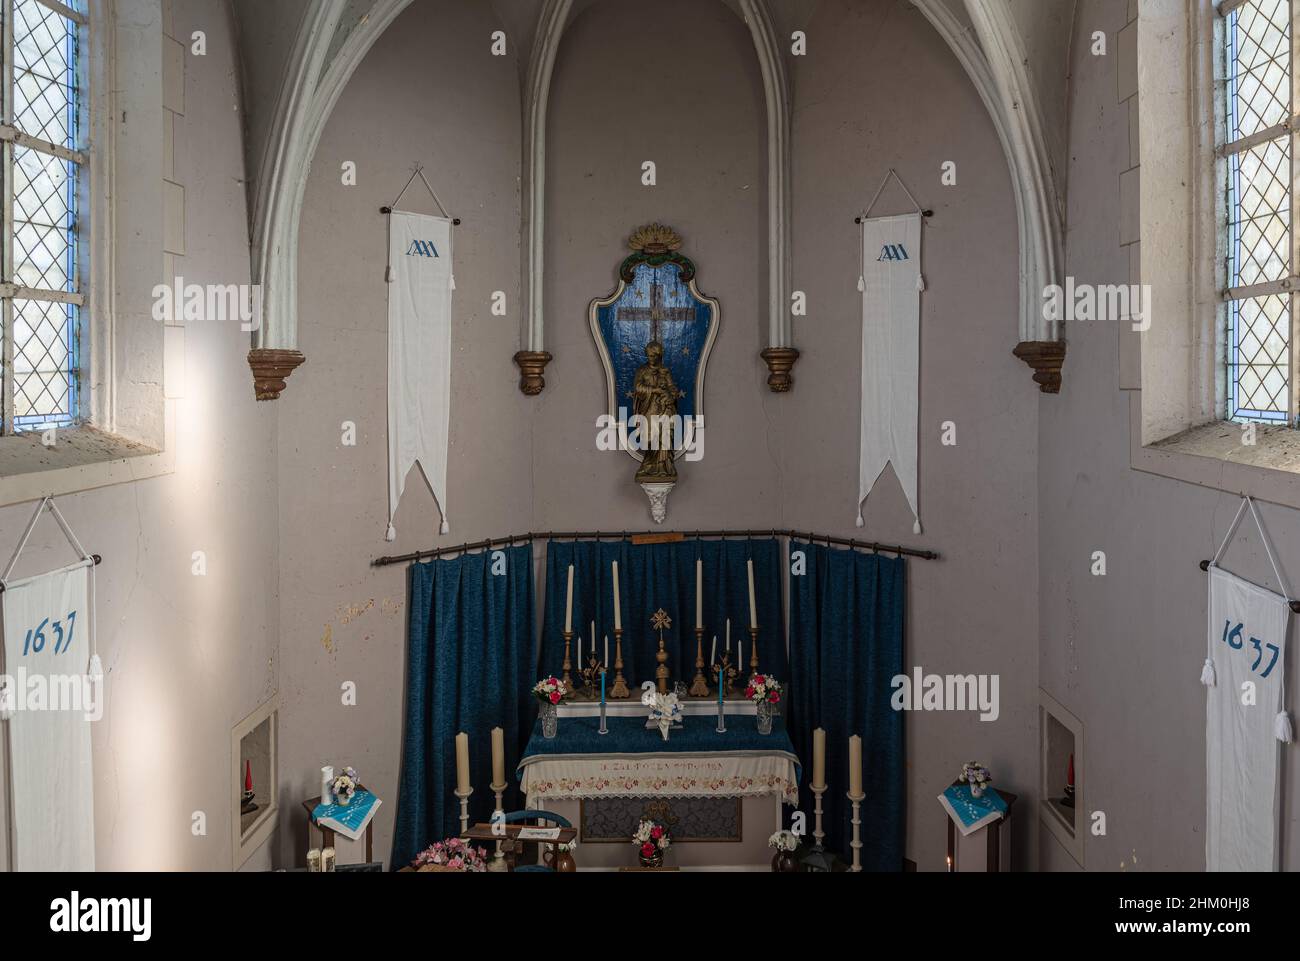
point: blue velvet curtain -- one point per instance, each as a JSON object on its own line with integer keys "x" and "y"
{"x": 846, "y": 646}
{"x": 652, "y": 576}
{"x": 469, "y": 664}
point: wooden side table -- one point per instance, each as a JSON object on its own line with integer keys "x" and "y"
{"x": 327, "y": 834}
{"x": 990, "y": 853}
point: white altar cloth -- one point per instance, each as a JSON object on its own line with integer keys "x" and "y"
{"x": 711, "y": 774}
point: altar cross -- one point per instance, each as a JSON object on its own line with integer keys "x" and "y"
{"x": 657, "y": 312}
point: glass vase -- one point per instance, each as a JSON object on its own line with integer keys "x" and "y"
{"x": 550, "y": 720}
{"x": 766, "y": 711}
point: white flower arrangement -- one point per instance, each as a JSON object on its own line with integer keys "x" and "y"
{"x": 976, "y": 775}
{"x": 345, "y": 786}
{"x": 786, "y": 841}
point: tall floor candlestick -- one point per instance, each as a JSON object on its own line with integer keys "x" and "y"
{"x": 699, "y": 686}
{"x": 619, "y": 691}
{"x": 568, "y": 664}
{"x": 500, "y": 791}
{"x": 856, "y": 843}
{"x": 464, "y": 810}
{"x": 753, "y": 651}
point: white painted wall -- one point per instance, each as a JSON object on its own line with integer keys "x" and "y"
{"x": 186, "y": 657}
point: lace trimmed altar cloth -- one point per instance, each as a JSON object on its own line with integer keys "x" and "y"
{"x": 634, "y": 761}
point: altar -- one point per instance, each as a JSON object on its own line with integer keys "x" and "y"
{"x": 726, "y": 788}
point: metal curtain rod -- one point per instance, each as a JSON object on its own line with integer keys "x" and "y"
{"x": 513, "y": 539}
{"x": 94, "y": 557}
{"x": 1295, "y": 605}
{"x": 924, "y": 213}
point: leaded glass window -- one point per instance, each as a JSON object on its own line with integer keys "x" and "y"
{"x": 1257, "y": 151}
{"x": 44, "y": 161}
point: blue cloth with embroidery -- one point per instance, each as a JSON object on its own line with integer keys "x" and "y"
{"x": 969, "y": 811}
{"x": 629, "y": 735}
{"x": 351, "y": 816}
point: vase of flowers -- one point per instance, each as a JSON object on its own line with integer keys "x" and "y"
{"x": 977, "y": 776}
{"x": 345, "y": 786}
{"x": 452, "y": 856}
{"x": 765, "y": 691}
{"x": 785, "y": 842}
{"x": 652, "y": 840}
{"x": 549, "y": 692}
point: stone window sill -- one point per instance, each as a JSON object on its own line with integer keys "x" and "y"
{"x": 83, "y": 459}
{"x": 1213, "y": 456}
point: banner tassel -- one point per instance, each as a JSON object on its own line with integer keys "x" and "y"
{"x": 916, "y": 527}
{"x": 862, "y": 283}
{"x": 920, "y": 282}
{"x": 391, "y": 535}
{"x": 446, "y": 528}
{"x": 1207, "y": 673}
{"x": 7, "y": 701}
{"x": 452, "y": 284}
{"x": 1282, "y": 727}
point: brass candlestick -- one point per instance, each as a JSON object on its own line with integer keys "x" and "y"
{"x": 753, "y": 651}
{"x": 725, "y": 675}
{"x": 619, "y": 691}
{"x": 699, "y": 686}
{"x": 567, "y": 678}
{"x": 661, "y": 620}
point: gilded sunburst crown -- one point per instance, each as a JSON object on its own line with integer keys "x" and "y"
{"x": 655, "y": 239}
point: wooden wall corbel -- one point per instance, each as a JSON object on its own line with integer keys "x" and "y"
{"x": 780, "y": 361}
{"x": 1046, "y": 357}
{"x": 271, "y": 368}
{"x": 532, "y": 370}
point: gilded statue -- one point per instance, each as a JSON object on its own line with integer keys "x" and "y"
{"x": 654, "y": 399}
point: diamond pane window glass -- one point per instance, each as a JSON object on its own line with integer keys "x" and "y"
{"x": 1258, "y": 169}
{"x": 1261, "y": 357}
{"x": 42, "y": 294}
{"x": 1259, "y": 198}
{"x": 1259, "y": 66}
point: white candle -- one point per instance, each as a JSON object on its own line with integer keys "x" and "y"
{"x": 593, "y": 637}
{"x": 699, "y": 594}
{"x": 568, "y": 604}
{"x": 819, "y": 758}
{"x": 713, "y": 657}
{"x": 498, "y": 756}
{"x": 618, "y": 610}
{"x": 607, "y": 650}
{"x": 740, "y": 653}
{"x": 462, "y": 762}
{"x": 855, "y": 766}
{"x": 728, "y": 635}
{"x": 753, "y": 611}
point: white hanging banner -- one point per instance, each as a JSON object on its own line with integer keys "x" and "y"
{"x": 891, "y": 285}
{"x": 1247, "y": 646}
{"x": 1245, "y": 713}
{"x": 419, "y": 354}
{"x": 50, "y": 702}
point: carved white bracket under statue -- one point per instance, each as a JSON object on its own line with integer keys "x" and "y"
{"x": 658, "y": 494}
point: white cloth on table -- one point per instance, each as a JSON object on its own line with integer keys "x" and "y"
{"x": 742, "y": 774}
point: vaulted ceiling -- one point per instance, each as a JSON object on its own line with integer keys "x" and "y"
{"x": 268, "y": 32}
{"x": 297, "y": 54}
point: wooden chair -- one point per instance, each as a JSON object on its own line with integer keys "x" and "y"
{"x": 538, "y": 818}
